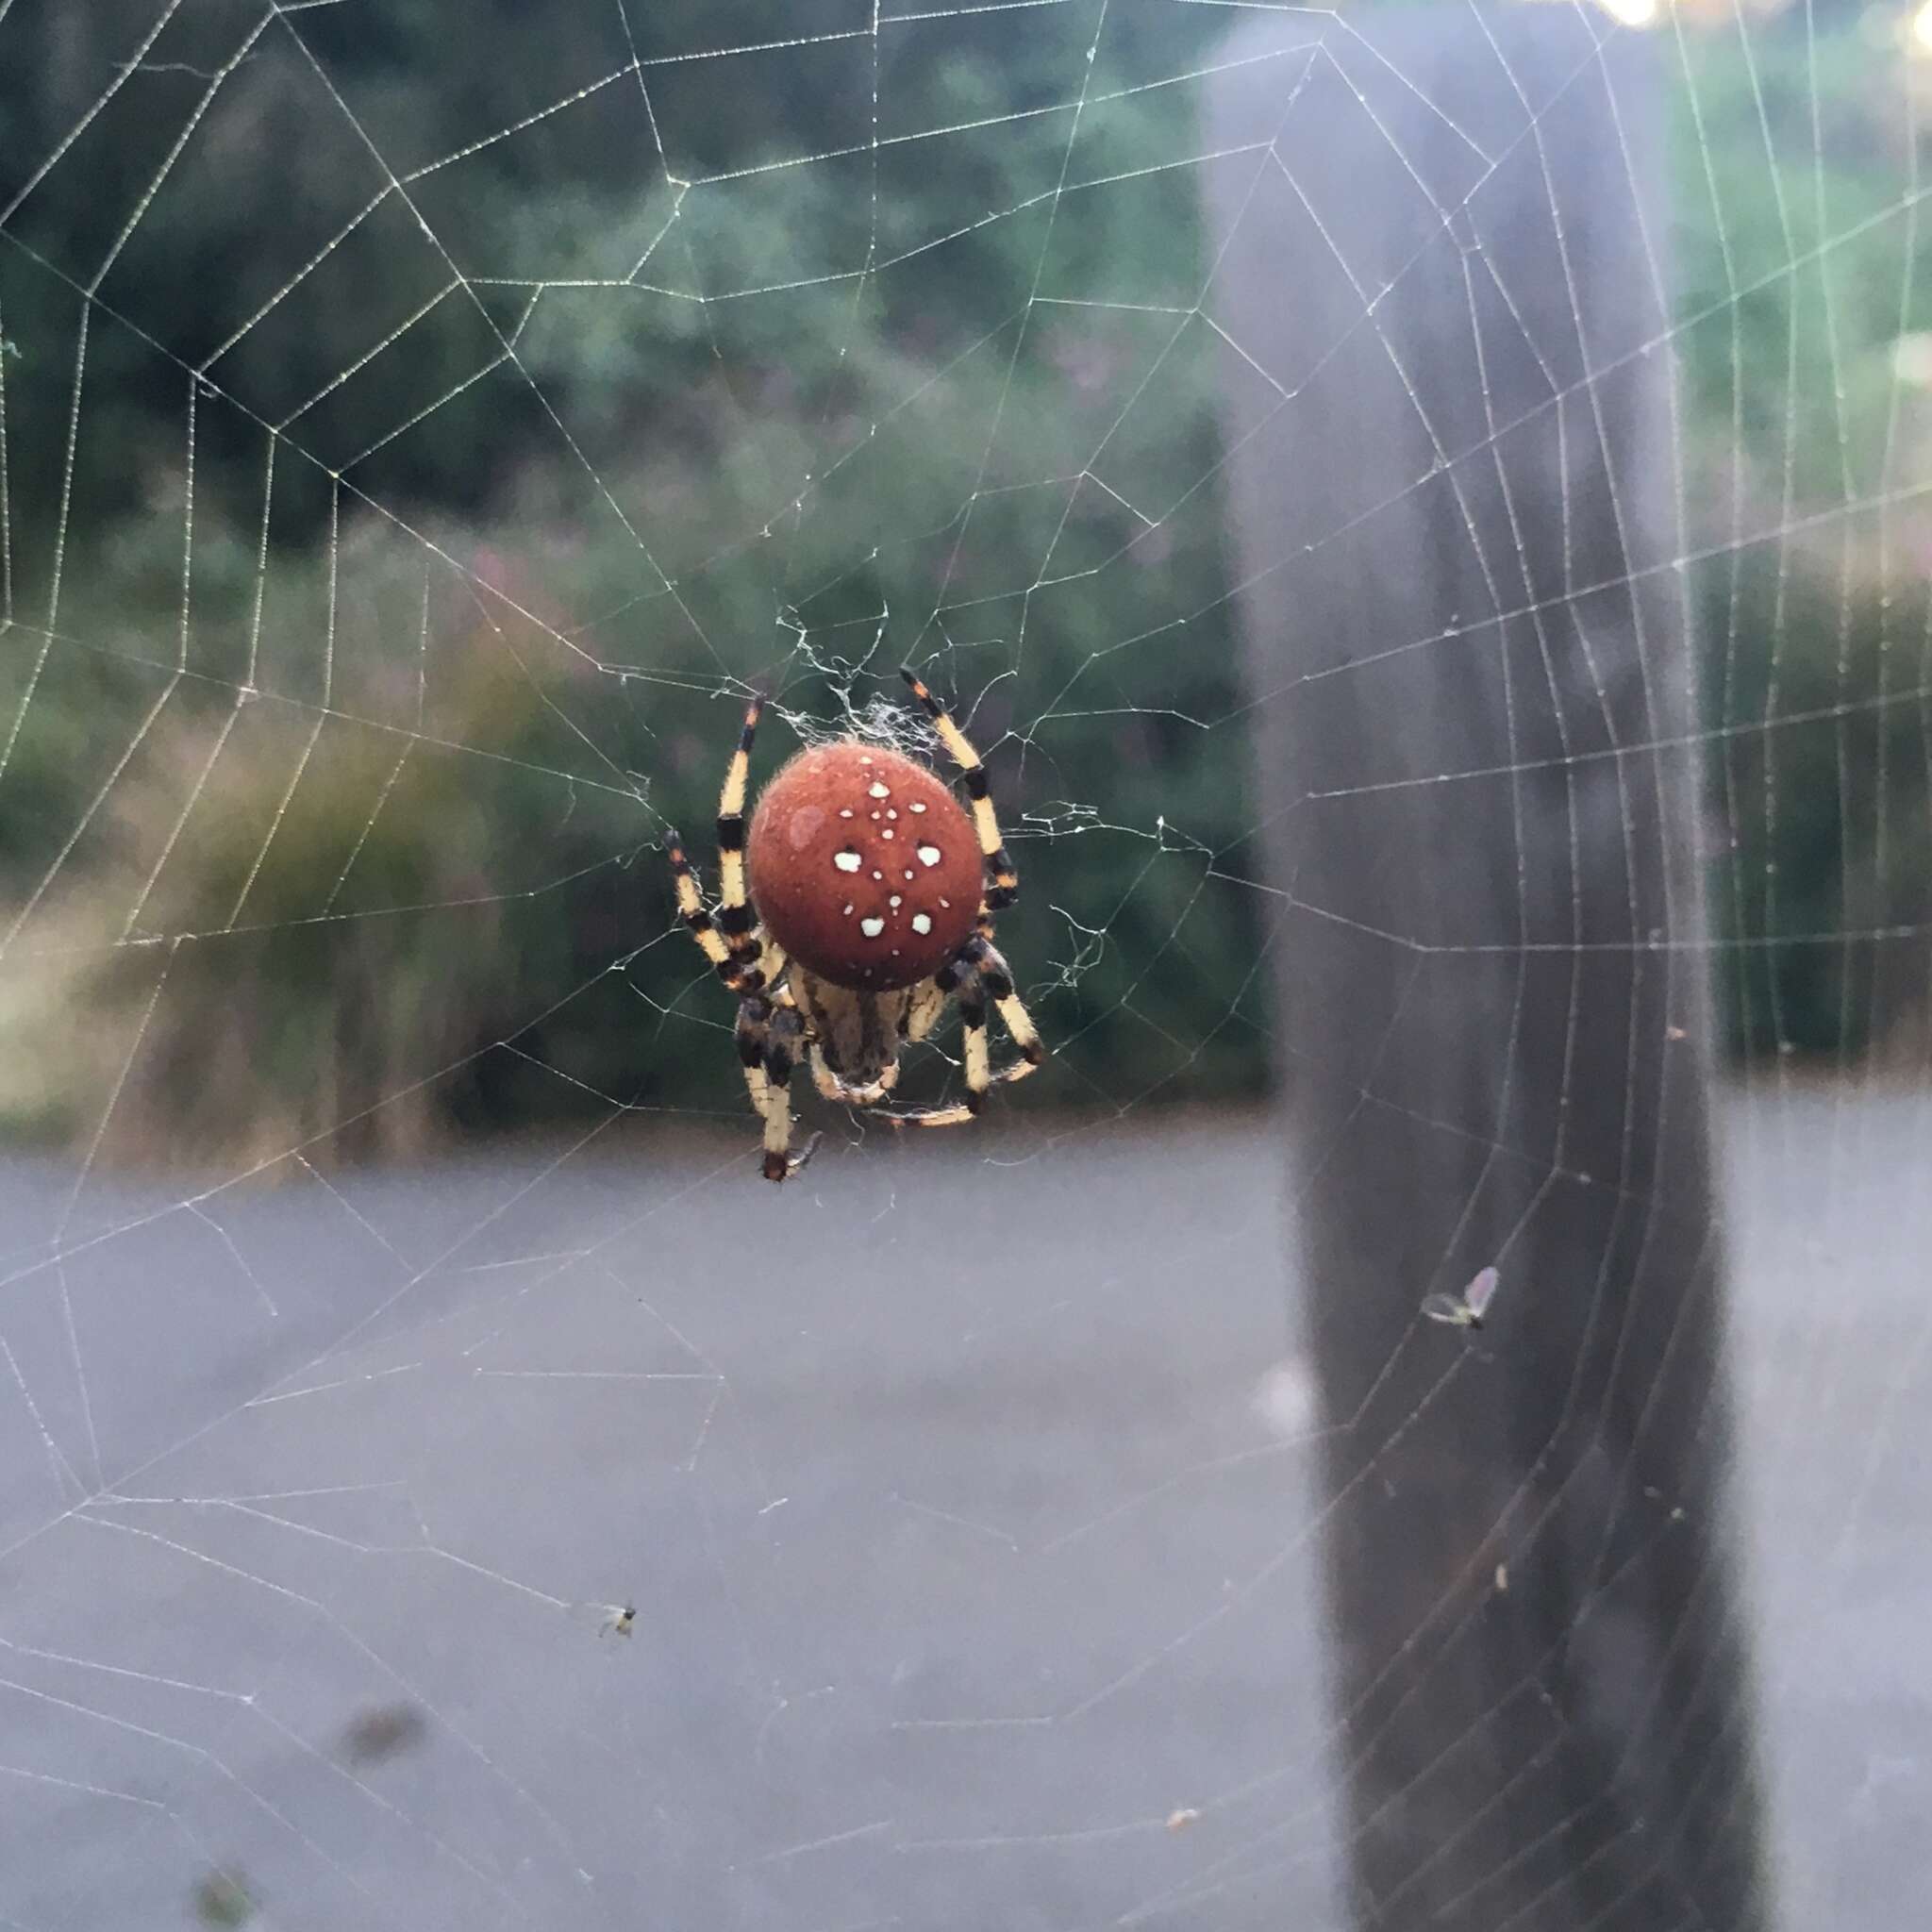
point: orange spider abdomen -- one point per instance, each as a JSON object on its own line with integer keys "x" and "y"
{"x": 863, "y": 866}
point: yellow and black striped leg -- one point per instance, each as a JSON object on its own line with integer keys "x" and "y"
{"x": 768, "y": 1042}
{"x": 735, "y": 916}
{"x": 978, "y": 1075}
{"x": 775, "y": 1106}
{"x": 979, "y": 973}
{"x": 740, "y": 974}
{"x": 1002, "y": 878}
{"x": 927, "y": 1003}
{"x": 772, "y": 963}
{"x": 996, "y": 977}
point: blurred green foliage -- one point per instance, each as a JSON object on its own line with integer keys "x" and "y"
{"x": 1820, "y": 788}
{"x": 389, "y": 832}
{"x": 382, "y": 854}
{"x": 1804, "y": 285}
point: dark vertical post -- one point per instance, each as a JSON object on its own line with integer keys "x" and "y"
{"x": 1459, "y": 521}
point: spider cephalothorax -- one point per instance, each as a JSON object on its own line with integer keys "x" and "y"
{"x": 865, "y": 901}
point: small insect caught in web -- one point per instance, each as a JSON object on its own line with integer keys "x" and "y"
{"x": 1464, "y": 1310}
{"x": 620, "y": 1619}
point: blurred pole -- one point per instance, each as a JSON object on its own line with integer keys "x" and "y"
{"x": 1459, "y": 520}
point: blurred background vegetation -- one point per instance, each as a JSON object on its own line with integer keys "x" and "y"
{"x": 349, "y": 683}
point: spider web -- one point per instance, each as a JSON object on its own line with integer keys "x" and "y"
{"x": 385, "y": 557}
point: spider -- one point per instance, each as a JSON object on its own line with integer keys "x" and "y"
{"x": 875, "y": 896}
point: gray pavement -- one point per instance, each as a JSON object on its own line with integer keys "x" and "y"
{"x": 958, "y": 1489}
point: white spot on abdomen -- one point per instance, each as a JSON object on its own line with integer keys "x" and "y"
{"x": 803, "y": 826}
{"x": 917, "y": 806}
{"x": 880, "y": 790}
{"x": 847, "y": 861}
{"x": 922, "y": 924}
{"x": 929, "y": 855}
{"x": 895, "y": 902}
{"x": 872, "y": 927}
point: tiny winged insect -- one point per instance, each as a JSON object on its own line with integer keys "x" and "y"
{"x": 620, "y": 1619}
{"x": 1464, "y": 1310}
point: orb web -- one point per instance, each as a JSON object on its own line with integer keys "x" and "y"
{"x": 417, "y": 438}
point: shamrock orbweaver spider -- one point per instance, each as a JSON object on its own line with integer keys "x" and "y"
{"x": 863, "y": 901}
